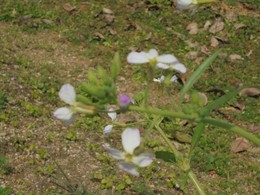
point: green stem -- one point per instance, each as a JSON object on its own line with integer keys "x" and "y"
{"x": 203, "y": 1}
{"x": 146, "y": 94}
{"x": 172, "y": 147}
{"x": 196, "y": 183}
{"x": 233, "y": 128}
{"x": 178, "y": 155}
{"x": 251, "y": 137}
{"x": 149, "y": 76}
{"x": 164, "y": 113}
{"x": 156, "y": 120}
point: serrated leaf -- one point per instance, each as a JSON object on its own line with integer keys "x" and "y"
{"x": 165, "y": 156}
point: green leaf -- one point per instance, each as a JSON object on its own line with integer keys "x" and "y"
{"x": 166, "y": 156}
{"x": 94, "y": 91}
{"x": 3, "y": 159}
{"x": 101, "y": 72}
{"x": 84, "y": 100}
{"x": 220, "y": 101}
{"x": 92, "y": 77}
{"x": 115, "y": 66}
{"x": 196, "y": 75}
{"x": 196, "y": 136}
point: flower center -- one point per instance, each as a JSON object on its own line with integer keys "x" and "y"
{"x": 128, "y": 157}
{"x": 153, "y": 61}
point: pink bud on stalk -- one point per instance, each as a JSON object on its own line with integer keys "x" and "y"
{"x": 124, "y": 101}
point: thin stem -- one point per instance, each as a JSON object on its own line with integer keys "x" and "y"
{"x": 233, "y": 128}
{"x": 203, "y": 1}
{"x": 196, "y": 183}
{"x": 149, "y": 76}
{"x": 172, "y": 147}
{"x": 251, "y": 137}
{"x": 164, "y": 113}
{"x": 156, "y": 120}
{"x": 146, "y": 94}
{"x": 177, "y": 154}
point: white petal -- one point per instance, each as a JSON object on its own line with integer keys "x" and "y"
{"x": 153, "y": 53}
{"x": 183, "y": 4}
{"x": 167, "y": 59}
{"x": 63, "y": 114}
{"x": 159, "y": 80}
{"x": 111, "y": 114}
{"x": 174, "y": 79}
{"x": 107, "y": 129}
{"x": 67, "y": 94}
{"x": 178, "y": 67}
{"x": 128, "y": 168}
{"x": 143, "y": 160}
{"x": 130, "y": 139}
{"x": 117, "y": 154}
{"x": 137, "y": 58}
{"x": 162, "y": 78}
{"x": 162, "y": 66}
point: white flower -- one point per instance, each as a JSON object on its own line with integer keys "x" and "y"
{"x": 162, "y": 79}
{"x": 159, "y": 80}
{"x": 130, "y": 140}
{"x": 173, "y": 79}
{"x": 107, "y": 129}
{"x": 150, "y": 57}
{"x": 68, "y": 95}
{"x": 113, "y": 116}
{"x": 166, "y": 61}
{"x": 184, "y": 4}
{"x": 177, "y": 66}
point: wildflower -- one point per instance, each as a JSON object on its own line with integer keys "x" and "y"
{"x": 68, "y": 95}
{"x": 130, "y": 140}
{"x": 173, "y": 79}
{"x": 186, "y": 4}
{"x": 112, "y": 114}
{"x": 177, "y": 66}
{"x": 159, "y": 80}
{"x": 162, "y": 79}
{"x": 107, "y": 129}
{"x": 166, "y": 61}
{"x": 124, "y": 101}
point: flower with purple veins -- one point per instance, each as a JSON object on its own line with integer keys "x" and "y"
{"x": 130, "y": 141}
